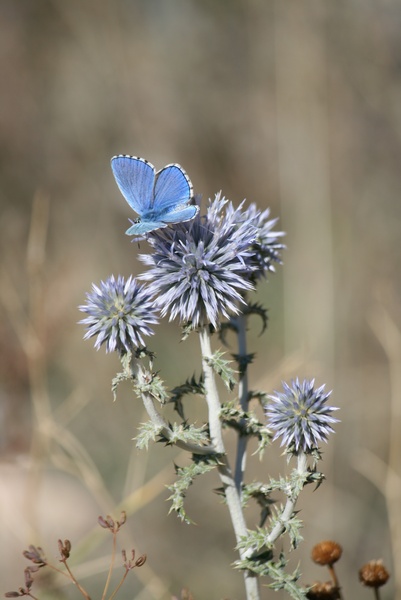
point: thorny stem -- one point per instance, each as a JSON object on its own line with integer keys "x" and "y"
{"x": 240, "y": 464}
{"x": 231, "y": 492}
{"x": 289, "y": 507}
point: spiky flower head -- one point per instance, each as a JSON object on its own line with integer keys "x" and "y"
{"x": 119, "y": 314}
{"x": 266, "y": 247}
{"x": 198, "y": 269}
{"x": 300, "y": 415}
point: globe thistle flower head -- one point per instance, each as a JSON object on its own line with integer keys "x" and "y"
{"x": 300, "y": 415}
{"x": 119, "y": 314}
{"x": 266, "y": 247}
{"x": 198, "y": 269}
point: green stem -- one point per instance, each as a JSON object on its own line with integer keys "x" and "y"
{"x": 230, "y": 489}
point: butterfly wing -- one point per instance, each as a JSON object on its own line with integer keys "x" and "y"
{"x": 181, "y": 213}
{"x": 159, "y": 198}
{"x": 173, "y": 189}
{"x": 141, "y": 227}
{"x": 186, "y": 213}
{"x": 136, "y": 179}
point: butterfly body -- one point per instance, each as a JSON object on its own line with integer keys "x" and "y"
{"x": 160, "y": 198}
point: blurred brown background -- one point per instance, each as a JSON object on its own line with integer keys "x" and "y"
{"x": 293, "y": 105}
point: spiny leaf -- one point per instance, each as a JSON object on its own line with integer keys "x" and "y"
{"x": 186, "y": 330}
{"x": 222, "y": 367}
{"x": 143, "y": 352}
{"x": 185, "y": 478}
{"x": 246, "y": 424}
{"x": 188, "y": 433}
{"x": 243, "y": 361}
{"x": 225, "y": 327}
{"x": 262, "y": 397}
{"x": 146, "y": 432}
{"x": 263, "y": 564}
{"x": 151, "y": 384}
{"x": 257, "y": 309}
{"x": 119, "y": 378}
{"x": 261, "y": 493}
{"x": 191, "y": 386}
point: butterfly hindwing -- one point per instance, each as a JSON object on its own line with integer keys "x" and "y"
{"x": 142, "y": 227}
{"x": 172, "y": 188}
{"x": 182, "y": 214}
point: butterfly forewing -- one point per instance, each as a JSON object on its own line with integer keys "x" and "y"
{"x": 135, "y": 177}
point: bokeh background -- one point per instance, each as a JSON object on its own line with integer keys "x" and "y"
{"x": 292, "y": 105}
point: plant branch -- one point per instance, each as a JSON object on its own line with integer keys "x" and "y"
{"x": 289, "y": 507}
{"x": 75, "y": 582}
{"x": 231, "y": 492}
{"x": 162, "y": 425}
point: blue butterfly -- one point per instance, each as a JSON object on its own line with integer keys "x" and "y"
{"x": 159, "y": 197}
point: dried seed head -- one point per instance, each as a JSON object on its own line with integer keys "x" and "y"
{"x": 102, "y": 522}
{"x": 373, "y": 574}
{"x": 326, "y": 553}
{"x": 28, "y": 578}
{"x": 64, "y": 549}
{"x": 109, "y": 523}
{"x": 132, "y": 563}
{"x": 28, "y": 584}
{"x": 36, "y": 555}
{"x": 323, "y": 591}
{"x": 141, "y": 560}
